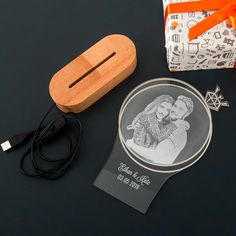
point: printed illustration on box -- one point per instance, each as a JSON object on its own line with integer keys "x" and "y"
{"x": 214, "y": 49}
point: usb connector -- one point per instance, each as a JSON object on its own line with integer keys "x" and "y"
{"x": 6, "y": 146}
{"x": 14, "y": 141}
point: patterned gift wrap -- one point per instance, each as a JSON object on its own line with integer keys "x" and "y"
{"x": 215, "y": 49}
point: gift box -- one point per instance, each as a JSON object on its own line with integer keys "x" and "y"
{"x": 213, "y": 49}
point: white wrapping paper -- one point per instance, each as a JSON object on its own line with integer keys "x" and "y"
{"x": 215, "y": 49}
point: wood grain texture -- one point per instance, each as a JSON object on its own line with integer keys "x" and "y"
{"x": 94, "y": 73}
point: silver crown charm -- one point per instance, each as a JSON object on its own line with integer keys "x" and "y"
{"x": 214, "y": 100}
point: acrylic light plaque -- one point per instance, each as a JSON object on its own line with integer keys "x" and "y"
{"x": 165, "y": 126}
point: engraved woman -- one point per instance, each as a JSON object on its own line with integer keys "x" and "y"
{"x": 150, "y": 126}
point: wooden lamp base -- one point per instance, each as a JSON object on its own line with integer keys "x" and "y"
{"x": 94, "y": 73}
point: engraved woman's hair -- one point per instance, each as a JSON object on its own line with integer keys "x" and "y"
{"x": 157, "y": 102}
{"x": 188, "y": 103}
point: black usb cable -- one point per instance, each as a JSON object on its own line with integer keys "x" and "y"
{"x": 68, "y": 125}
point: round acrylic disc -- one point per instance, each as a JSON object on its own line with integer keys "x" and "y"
{"x": 165, "y": 125}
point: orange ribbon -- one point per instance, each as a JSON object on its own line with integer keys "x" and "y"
{"x": 225, "y": 9}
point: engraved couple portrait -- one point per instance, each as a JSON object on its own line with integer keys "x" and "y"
{"x": 160, "y": 131}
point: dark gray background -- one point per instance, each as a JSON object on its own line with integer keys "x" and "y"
{"x": 38, "y": 38}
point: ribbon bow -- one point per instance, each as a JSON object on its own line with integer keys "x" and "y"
{"x": 225, "y": 10}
